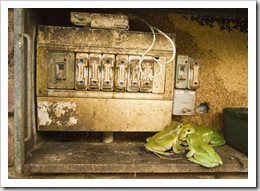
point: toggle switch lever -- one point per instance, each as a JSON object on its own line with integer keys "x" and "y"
{"x": 60, "y": 71}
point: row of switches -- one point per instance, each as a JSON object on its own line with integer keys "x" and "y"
{"x": 109, "y": 72}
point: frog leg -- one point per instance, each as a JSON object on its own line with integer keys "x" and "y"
{"x": 204, "y": 161}
{"x": 190, "y": 154}
{"x": 185, "y": 145}
{"x": 178, "y": 148}
{"x": 159, "y": 150}
{"x": 167, "y": 158}
{"x": 163, "y": 152}
{"x": 217, "y": 142}
{"x": 219, "y": 159}
{"x": 148, "y": 139}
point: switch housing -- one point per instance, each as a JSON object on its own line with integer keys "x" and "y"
{"x": 187, "y": 73}
{"x": 94, "y": 71}
{"x": 121, "y": 72}
{"x": 60, "y": 70}
{"x": 107, "y": 82}
{"x": 133, "y": 74}
{"x": 81, "y": 71}
{"x": 147, "y": 71}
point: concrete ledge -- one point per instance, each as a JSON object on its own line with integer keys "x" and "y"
{"x": 123, "y": 157}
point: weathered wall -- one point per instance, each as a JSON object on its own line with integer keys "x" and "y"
{"x": 224, "y": 64}
{"x": 224, "y": 67}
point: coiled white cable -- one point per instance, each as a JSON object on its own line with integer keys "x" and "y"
{"x": 158, "y": 61}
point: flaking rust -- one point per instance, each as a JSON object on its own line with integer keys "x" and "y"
{"x": 57, "y": 113}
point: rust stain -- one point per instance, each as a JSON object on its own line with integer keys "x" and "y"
{"x": 57, "y": 113}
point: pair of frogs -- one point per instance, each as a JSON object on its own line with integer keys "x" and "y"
{"x": 198, "y": 140}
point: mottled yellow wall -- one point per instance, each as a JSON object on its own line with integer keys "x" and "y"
{"x": 224, "y": 64}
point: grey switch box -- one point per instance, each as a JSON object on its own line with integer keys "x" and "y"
{"x": 184, "y": 102}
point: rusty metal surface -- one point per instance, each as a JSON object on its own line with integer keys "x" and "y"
{"x": 24, "y": 91}
{"x": 97, "y": 20}
{"x": 121, "y": 157}
{"x": 81, "y": 114}
{"x": 19, "y": 81}
{"x": 134, "y": 42}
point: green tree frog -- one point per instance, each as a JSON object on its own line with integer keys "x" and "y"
{"x": 166, "y": 139}
{"x": 202, "y": 153}
{"x": 208, "y": 134}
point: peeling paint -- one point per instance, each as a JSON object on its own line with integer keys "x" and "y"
{"x": 57, "y": 113}
{"x": 43, "y": 116}
{"x": 72, "y": 121}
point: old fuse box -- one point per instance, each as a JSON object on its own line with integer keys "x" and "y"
{"x": 89, "y": 80}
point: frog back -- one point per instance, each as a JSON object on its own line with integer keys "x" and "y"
{"x": 196, "y": 142}
{"x": 210, "y": 135}
{"x": 199, "y": 147}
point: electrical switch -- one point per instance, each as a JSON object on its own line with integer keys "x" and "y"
{"x": 193, "y": 82}
{"x": 133, "y": 77}
{"x": 187, "y": 73}
{"x": 121, "y": 72}
{"x": 107, "y": 72}
{"x": 81, "y": 71}
{"x": 94, "y": 71}
{"x": 182, "y": 72}
{"x": 148, "y": 71}
{"x": 60, "y": 70}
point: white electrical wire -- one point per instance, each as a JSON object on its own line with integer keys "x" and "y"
{"x": 173, "y": 46}
{"x": 158, "y": 61}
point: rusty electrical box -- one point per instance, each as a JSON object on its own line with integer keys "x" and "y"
{"x": 90, "y": 80}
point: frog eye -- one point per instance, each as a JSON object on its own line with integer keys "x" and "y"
{"x": 188, "y": 130}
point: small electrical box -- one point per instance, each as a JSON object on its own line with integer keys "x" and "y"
{"x": 186, "y": 83}
{"x": 187, "y": 73}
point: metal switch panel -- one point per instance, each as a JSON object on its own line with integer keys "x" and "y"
{"x": 60, "y": 68}
{"x": 184, "y": 102}
{"x": 92, "y": 81}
